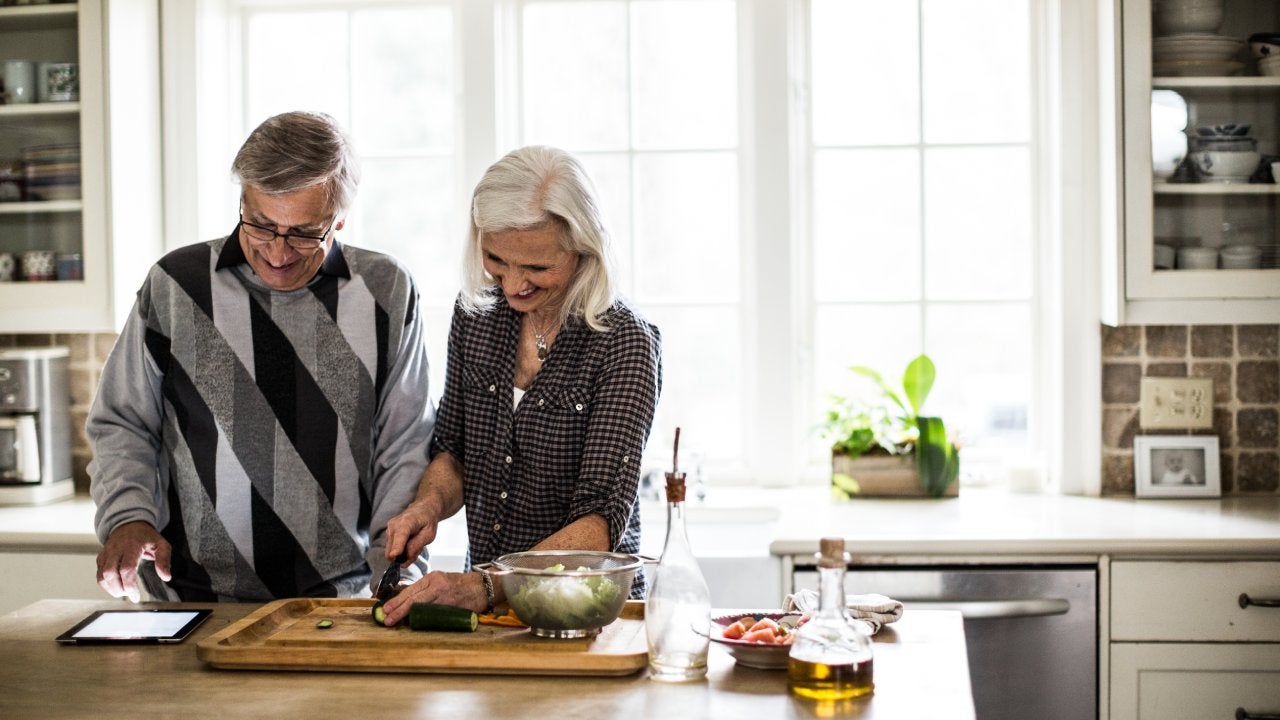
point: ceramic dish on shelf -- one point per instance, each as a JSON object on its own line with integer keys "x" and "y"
{"x": 1264, "y": 44}
{"x": 752, "y": 654}
{"x": 1195, "y": 46}
{"x": 1269, "y": 66}
{"x": 1198, "y": 68}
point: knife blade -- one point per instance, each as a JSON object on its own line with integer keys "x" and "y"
{"x": 389, "y": 585}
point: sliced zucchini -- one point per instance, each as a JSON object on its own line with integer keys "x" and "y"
{"x": 430, "y": 616}
{"x": 325, "y": 624}
{"x": 378, "y": 613}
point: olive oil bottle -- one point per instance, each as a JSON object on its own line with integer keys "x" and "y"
{"x": 831, "y": 656}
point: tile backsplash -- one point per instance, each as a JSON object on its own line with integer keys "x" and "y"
{"x": 1243, "y": 360}
{"x": 1244, "y": 363}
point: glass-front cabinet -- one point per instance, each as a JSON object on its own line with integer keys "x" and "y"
{"x": 79, "y": 175}
{"x": 1201, "y": 131}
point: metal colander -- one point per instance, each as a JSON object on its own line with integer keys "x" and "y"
{"x": 570, "y": 602}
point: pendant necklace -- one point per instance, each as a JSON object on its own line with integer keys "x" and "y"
{"x": 540, "y": 341}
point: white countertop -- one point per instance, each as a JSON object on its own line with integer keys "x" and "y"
{"x": 759, "y": 522}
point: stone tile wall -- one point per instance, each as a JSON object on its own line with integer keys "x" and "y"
{"x": 88, "y": 353}
{"x": 1244, "y": 362}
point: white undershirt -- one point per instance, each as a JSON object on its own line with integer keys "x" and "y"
{"x": 517, "y": 394}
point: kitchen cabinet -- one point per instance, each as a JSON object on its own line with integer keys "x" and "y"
{"x": 114, "y": 225}
{"x": 1161, "y": 101}
{"x": 1182, "y": 645}
{"x": 31, "y": 576}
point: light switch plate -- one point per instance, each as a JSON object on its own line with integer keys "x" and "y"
{"x": 1176, "y": 403}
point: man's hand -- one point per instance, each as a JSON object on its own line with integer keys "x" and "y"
{"x": 126, "y": 548}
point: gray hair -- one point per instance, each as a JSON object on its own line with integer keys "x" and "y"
{"x": 527, "y": 189}
{"x": 299, "y": 150}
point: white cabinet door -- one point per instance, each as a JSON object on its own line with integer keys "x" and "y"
{"x": 1163, "y": 103}
{"x": 1164, "y": 681}
{"x": 1194, "y": 601}
{"x": 114, "y": 224}
{"x": 29, "y": 577}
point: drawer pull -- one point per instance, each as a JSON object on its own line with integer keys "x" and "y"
{"x": 997, "y": 609}
{"x": 1242, "y": 714}
{"x": 1246, "y": 601}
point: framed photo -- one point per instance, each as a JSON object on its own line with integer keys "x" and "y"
{"x": 1176, "y": 466}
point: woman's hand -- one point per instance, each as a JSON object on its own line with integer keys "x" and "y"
{"x": 464, "y": 590}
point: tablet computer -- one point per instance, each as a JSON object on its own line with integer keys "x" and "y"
{"x": 135, "y": 626}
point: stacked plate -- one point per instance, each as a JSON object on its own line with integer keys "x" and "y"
{"x": 1196, "y": 54}
{"x": 52, "y": 172}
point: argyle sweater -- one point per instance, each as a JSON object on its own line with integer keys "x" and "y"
{"x": 268, "y": 435}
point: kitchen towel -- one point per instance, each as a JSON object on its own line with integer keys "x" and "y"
{"x": 873, "y": 609}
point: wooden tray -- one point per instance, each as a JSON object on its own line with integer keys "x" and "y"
{"x": 282, "y": 635}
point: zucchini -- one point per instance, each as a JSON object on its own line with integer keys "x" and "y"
{"x": 379, "y": 615}
{"x": 325, "y": 624}
{"x": 430, "y": 616}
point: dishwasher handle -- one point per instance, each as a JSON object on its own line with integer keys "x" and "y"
{"x": 996, "y": 609}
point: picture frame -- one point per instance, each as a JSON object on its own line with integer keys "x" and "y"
{"x": 1176, "y": 466}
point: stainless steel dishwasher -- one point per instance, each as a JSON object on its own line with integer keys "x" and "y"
{"x": 1031, "y": 630}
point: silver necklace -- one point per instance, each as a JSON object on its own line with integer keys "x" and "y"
{"x": 540, "y": 340}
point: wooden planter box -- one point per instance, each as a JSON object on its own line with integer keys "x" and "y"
{"x": 885, "y": 475}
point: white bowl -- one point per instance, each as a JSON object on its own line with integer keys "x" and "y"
{"x": 1265, "y": 48}
{"x": 1270, "y": 66}
{"x": 1226, "y": 165}
{"x": 1173, "y": 18}
{"x": 1197, "y": 258}
{"x": 1164, "y": 256}
{"x": 1241, "y": 257}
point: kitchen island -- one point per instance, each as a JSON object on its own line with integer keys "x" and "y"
{"x": 920, "y": 672}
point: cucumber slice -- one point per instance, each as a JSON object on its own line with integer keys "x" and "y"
{"x": 379, "y": 614}
{"x": 430, "y": 616}
{"x": 325, "y": 624}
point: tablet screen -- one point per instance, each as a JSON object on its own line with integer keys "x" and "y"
{"x": 135, "y": 626}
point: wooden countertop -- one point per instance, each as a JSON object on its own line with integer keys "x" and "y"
{"x": 921, "y": 671}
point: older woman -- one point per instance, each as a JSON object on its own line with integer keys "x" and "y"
{"x": 550, "y": 390}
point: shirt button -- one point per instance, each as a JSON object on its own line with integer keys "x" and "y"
{"x": 503, "y": 495}
{"x": 497, "y": 526}
{"x": 541, "y": 403}
{"x": 578, "y": 407}
{"x": 493, "y": 388}
{"x": 508, "y": 459}
{"x": 626, "y": 458}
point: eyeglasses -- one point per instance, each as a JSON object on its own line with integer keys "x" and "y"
{"x": 302, "y": 243}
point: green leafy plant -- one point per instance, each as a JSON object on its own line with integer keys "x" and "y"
{"x": 892, "y": 424}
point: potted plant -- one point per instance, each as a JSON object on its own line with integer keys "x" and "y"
{"x": 886, "y": 446}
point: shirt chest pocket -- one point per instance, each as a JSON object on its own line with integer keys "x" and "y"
{"x": 551, "y": 430}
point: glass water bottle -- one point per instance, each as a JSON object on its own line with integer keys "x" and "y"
{"x": 831, "y": 654}
{"x": 678, "y": 611}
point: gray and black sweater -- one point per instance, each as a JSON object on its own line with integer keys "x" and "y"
{"x": 268, "y": 435}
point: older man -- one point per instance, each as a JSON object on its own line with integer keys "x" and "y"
{"x": 265, "y": 409}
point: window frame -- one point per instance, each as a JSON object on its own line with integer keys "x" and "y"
{"x": 201, "y": 134}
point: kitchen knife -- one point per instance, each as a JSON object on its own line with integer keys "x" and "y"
{"x": 389, "y": 585}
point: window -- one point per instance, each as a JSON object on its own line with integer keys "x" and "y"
{"x": 793, "y": 186}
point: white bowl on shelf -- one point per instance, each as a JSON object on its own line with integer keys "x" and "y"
{"x": 1197, "y": 258}
{"x": 1185, "y": 16}
{"x": 1226, "y": 165}
{"x": 1241, "y": 257}
{"x": 1269, "y": 66}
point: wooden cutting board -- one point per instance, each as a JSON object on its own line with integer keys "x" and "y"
{"x": 283, "y": 635}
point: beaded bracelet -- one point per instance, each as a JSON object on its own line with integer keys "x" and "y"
{"x": 488, "y": 590}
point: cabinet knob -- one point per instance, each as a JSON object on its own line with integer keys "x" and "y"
{"x": 1246, "y": 601}
{"x": 1242, "y": 714}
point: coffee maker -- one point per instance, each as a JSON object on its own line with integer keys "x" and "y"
{"x": 35, "y": 426}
